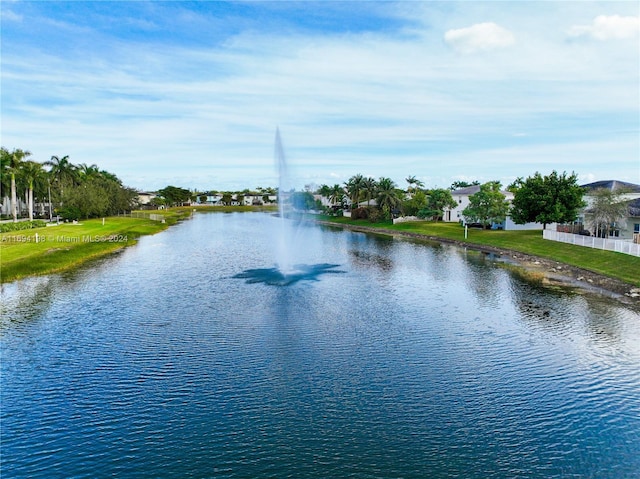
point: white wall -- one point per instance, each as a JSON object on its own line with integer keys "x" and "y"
{"x": 511, "y": 226}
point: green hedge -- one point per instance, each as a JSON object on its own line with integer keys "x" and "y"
{"x": 22, "y": 225}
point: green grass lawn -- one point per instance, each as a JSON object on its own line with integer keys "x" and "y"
{"x": 67, "y": 245}
{"x": 615, "y": 265}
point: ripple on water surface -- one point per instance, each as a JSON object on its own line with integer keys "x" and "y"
{"x": 415, "y": 361}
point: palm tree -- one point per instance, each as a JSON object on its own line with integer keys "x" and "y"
{"x": 5, "y": 184}
{"x": 63, "y": 172}
{"x": 414, "y": 184}
{"x": 324, "y": 190}
{"x": 387, "y": 195}
{"x": 88, "y": 172}
{"x": 369, "y": 186}
{"x": 32, "y": 173}
{"x": 11, "y": 162}
{"x": 354, "y": 187}
{"x": 105, "y": 175}
{"x": 336, "y": 194}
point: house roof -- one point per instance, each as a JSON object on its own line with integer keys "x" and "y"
{"x": 634, "y": 207}
{"x": 613, "y": 185}
{"x": 472, "y": 190}
{"x": 469, "y": 190}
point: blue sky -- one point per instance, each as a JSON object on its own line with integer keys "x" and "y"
{"x": 191, "y": 93}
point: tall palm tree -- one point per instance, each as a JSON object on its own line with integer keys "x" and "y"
{"x": 5, "y": 181}
{"x": 88, "y": 172}
{"x": 63, "y": 172}
{"x": 324, "y": 190}
{"x": 387, "y": 195}
{"x": 354, "y": 187}
{"x": 369, "y": 186}
{"x": 337, "y": 194}
{"x": 32, "y": 173}
{"x": 414, "y": 184}
{"x": 105, "y": 175}
{"x": 12, "y": 160}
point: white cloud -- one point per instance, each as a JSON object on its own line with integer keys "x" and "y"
{"x": 605, "y": 27}
{"x": 11, "y": 16}
{"x": 479, "y": 37}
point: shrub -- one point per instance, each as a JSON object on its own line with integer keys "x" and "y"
{"x": 361, "y": 213}
{"x": 427, "y": 213}
{"x": 375, "y": 215}
{"x": 70, "y": 213}
{"x": 22, "y": 225}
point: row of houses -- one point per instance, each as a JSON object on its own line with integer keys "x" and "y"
{"x": 212, "y": 199}
{"x": 625, "y": 229}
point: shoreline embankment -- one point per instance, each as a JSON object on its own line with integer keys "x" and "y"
{"x": 550, "y": 271}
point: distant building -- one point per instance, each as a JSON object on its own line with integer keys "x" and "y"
{"x": 145, "y": 197}
{"x": 209, "y": 198}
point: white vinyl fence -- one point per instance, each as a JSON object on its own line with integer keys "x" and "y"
{"x": 620, "y": 246}
{"x": 142, "y": 214}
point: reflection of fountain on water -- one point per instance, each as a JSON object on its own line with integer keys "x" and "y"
{"x": 289, "y": 239}
{"x": 276, "y": 277}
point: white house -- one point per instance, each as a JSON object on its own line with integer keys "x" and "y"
{"x": 323, "y": 200}
{"x": 258, "y": 199}
{"x": 247, "y": 199}
{"x": 145, "y": 197}
{"x": 461, "y": 197}
{"x": 208, "y": 198}
{"x": 628, "y": 226}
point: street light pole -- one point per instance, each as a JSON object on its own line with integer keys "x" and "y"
{"x": 50, "y": 211}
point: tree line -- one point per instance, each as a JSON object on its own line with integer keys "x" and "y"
{"x": 85, "y": 191}
{"x": 68, "y": 190}
{"x": 383, "y": 199}
{"x": 553, "y": 198}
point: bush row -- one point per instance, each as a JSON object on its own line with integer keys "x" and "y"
{"x": 21, "y": 225}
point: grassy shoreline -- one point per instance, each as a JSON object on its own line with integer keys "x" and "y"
{"x": 57, "y": 248}
{"x": 527, "y": 246}
{"x": 66, "y": 246}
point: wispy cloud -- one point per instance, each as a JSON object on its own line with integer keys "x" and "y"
{"x": 10, "y": 16}
{"x": 479, "y": 37}
{"x": 608, "y": 27}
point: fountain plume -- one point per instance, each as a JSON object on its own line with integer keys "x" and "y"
{"x": 288, "y": 241}
{"x": 284, "y": 241}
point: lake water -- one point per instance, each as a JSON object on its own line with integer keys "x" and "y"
{"x": 405, "y": 360}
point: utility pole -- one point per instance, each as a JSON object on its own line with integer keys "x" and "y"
{"x": 50, "y": 210}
